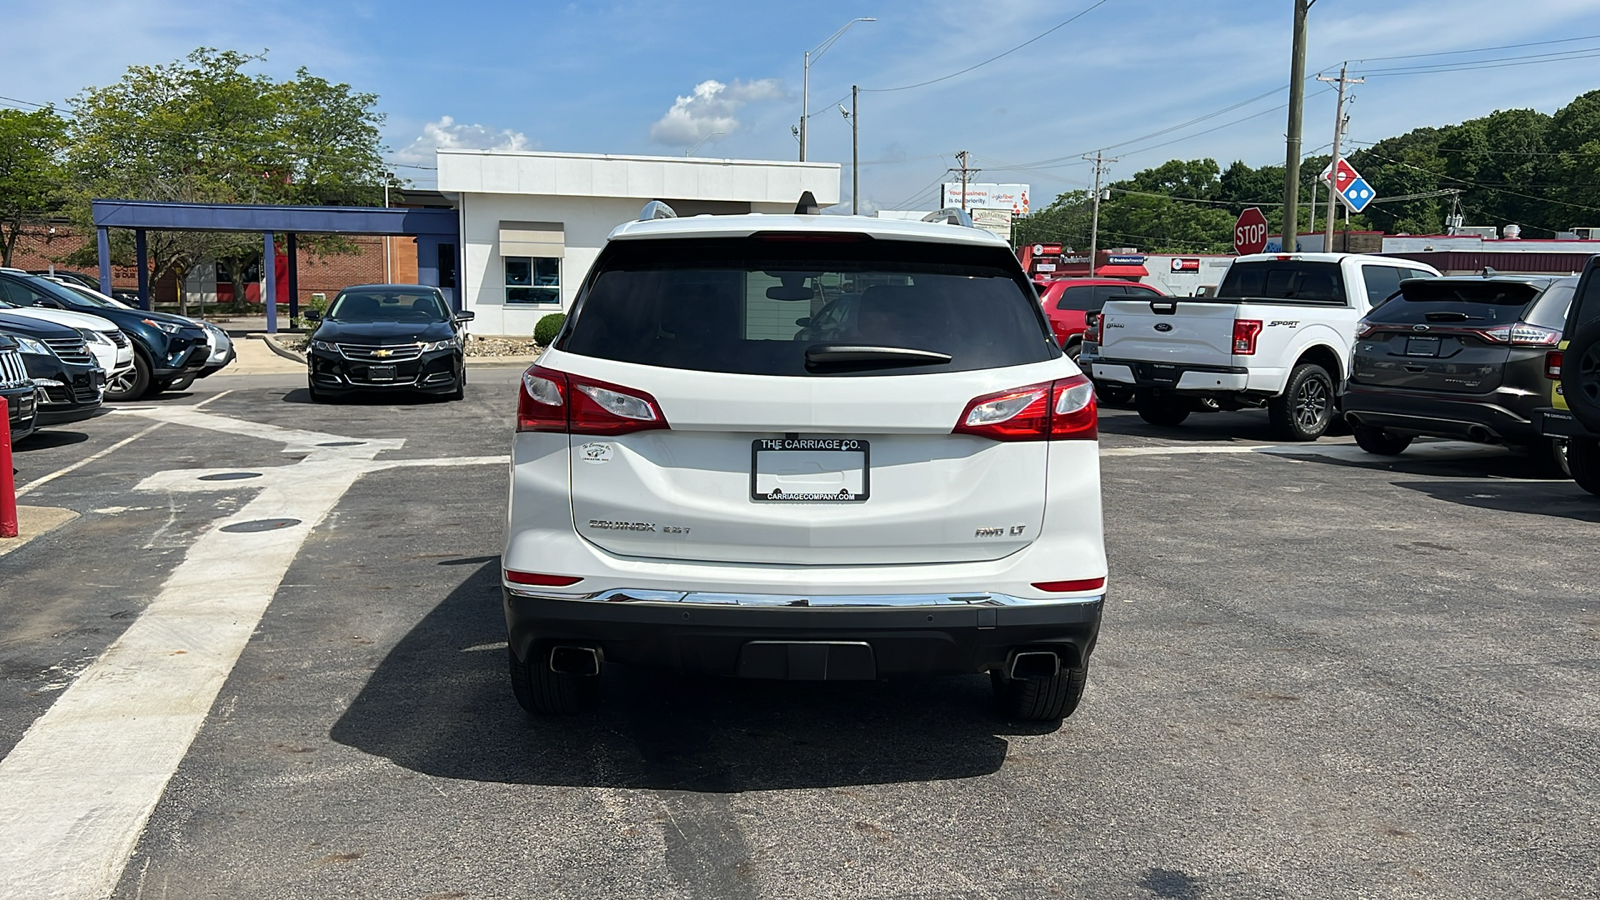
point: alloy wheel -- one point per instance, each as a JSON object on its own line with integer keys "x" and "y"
{"x": 1311, "y": 404}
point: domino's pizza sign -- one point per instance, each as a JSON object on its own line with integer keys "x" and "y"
{"x": 1352, "y": 189}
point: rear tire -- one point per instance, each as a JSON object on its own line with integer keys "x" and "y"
{"x": 1583, "y": 458}
{"x": 1305, "y": 408}
{"x": 544, "y": 692}
{"x": 1376, "y": 440}
{"x": 1040, "y": 699}
{"x": 1160, "y": 409}
{"x": 1547, "y": 458}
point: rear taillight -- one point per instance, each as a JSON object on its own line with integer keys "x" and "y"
{"x": 1091, "y": 334}
{"x": 1552, "y": 365}
{"x": 541, "y": 580}
{"x": 1520, "y": 334}
{"x": 556, "y": 401}
{"x": 1061, "y": 410}
{"x": 1244, "y": 336}
{"x": 1365, "y": 329}
{"x": 542, "y": 404}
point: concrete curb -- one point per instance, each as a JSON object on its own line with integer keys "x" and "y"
{"x": 286, "y": 353}
{"x": 280, "y": 349}
{"x": 36, "y": 521}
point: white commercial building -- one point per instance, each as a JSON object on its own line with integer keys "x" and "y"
{"x": 533, "y": 222}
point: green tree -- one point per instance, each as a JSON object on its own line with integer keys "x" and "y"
{"x": 205, "y": 130}
{"x": 31, "y": 175}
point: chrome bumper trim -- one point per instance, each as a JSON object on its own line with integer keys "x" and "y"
{"x": 803, "y": 601}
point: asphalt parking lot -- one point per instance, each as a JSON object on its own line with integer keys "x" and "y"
{"x": 1321, "y": 674}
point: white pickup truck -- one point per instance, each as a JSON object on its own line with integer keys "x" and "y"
{"x": 1278, "y": 334}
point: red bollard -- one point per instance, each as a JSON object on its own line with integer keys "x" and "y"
{"x": 8, "y": 487}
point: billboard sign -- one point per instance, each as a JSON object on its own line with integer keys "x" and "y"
{"x": 997, "y": 221}
{"x": 988, "y": 196}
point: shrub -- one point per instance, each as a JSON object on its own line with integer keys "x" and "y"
{"x": 545, "y": 331}
{"x": 318, "y": 302}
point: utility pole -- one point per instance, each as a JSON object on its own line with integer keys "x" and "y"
{"x": 1333, "y": 166}
{"x": 1291, "y": 162}
{"x": 1101, "y": 164}
{"x": 855, "y": 153}
{"x": 966, "y": 173}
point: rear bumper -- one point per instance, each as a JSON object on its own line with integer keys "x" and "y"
{"x": 1173, "y": 376}
{"x": 1561, "y": 423}
{"x": 746, "y": 634}
{"x": 1497, "y": 416}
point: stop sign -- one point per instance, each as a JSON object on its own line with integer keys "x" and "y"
{"x": 1250, "y": 232}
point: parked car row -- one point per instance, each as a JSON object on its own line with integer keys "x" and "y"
{"x": 66, "y": 348}
{"x": 1386, "y": 346}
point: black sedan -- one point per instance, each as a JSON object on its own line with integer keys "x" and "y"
{"x": 387, "y": 337}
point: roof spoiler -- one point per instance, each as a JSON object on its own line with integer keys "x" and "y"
{"x": 807, "y": 205}
{"x": 655, "y": 209}
{"x": 950, "y": 215}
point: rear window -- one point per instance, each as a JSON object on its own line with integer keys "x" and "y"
{"x": 1313, "y": 282}
{"x": 1445, "y": 300}
{"x": 753, "y": 306}
{"x": 1550, "y": 310}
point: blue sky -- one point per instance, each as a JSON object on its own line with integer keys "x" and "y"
{"x": 626, "y": 76}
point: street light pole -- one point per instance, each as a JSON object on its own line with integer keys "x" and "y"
{"x": 805, "y": 81}
{"x": 388, "y": 267}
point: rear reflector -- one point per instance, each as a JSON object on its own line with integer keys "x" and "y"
{"x": 534, "y": 578}
{"x": 1064, "y": 587}
{"x": 1552, "y": 365}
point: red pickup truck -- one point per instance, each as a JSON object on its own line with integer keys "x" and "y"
{"x": 1068, "y": 300}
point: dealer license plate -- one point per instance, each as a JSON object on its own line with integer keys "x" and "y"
{"x": 1422, "y": 346}
{"x": 814, "y": 470}
{"x": 380, "y": 373}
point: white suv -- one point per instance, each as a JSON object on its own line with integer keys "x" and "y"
{"x": 805, "y": 447}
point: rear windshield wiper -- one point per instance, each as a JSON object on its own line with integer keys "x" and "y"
{"x": 844, "y": 354}
{"x": 1449, "y": 316}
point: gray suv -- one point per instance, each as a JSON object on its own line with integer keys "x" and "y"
{"x": 1459, "y": 357}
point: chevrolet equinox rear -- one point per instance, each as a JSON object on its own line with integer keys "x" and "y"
{"x": 805, "y": 448}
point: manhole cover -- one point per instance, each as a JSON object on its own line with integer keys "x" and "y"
{"x": 230, "y": 476}
{"x": 260, "y": 525}
{"x": 342, "y": 444}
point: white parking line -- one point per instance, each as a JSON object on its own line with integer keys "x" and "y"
{"x": 78, "y": 788}
{"x": 101, "y": 454}
{"x": 1435, "y": 451}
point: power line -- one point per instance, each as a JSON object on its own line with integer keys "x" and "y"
{"x": 906, "y": 87}
{"x": 1592, "y": 37}
{"x": 28, "y": 103}
{"x": 1496, "y": 63}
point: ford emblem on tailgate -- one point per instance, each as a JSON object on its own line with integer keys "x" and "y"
{"x": 1163, "y": 326}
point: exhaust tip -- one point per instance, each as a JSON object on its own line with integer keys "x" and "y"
{"x": 567, "y": 660}
{"x": 1035, "y": 664}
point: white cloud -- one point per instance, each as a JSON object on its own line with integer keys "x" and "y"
{"x": 446, "y": 134}
{"x": 711, "y": 109}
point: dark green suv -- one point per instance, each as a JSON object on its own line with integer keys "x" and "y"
{"x": 1575, "y": 372}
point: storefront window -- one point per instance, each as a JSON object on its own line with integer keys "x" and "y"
{"x": 533, "y": 279}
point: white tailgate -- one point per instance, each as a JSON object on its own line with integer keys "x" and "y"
{"x": 1197, "y": 332}
{"x": 686, "y": 493}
